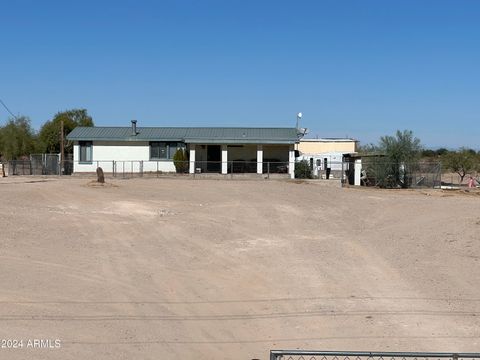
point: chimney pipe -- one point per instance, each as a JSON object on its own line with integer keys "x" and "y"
{"x": 134, "y": 127}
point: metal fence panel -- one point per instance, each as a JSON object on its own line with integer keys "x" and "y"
{"x": 157, "y": 168}
{"x": 391, "y": 175}
{"x": 19, "y": 167}
{"x": 41, "y": 164}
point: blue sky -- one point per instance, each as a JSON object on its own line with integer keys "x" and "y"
{"x": 354, "y": 68}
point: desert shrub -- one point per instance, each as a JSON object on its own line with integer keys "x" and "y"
{"x": 303, "y": 170}
{"x": 180, "y": 160}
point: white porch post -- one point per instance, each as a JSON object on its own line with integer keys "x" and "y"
{"x": 358, "y": 172}
{"x": 291, "y": 162}
{"x": 192, "y": 159}
{"x": 259, "y": 159}
{"x": 224, "y": 159}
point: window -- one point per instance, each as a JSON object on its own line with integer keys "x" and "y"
{"x": 172, "y": 149}
{"x": 158, "y": 150}
{"x": 85, "y": 151}
{"x": 164, "y": 150}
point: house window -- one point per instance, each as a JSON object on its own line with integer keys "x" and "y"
{"x": 85, "y": 151}
{"x": 158, "y": 150}
{"x": 164, "y": 150}
{"x": 172, "y": 149}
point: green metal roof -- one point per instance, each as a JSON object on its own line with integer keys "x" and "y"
{"x": 195, "y": 135}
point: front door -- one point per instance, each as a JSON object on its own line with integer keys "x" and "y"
{"x": 214, "y": 158}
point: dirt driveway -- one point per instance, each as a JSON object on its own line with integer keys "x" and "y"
{"x": 209, "y": 269}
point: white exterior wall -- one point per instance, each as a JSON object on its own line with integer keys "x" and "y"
{"x": 127, "y": 154}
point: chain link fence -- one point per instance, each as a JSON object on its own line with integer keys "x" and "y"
{"x": 40, "y": 164}
{"x": 50, "y": 164}
{"x": 162, "y": 168}
{"x": 331, "y": 355}
{"x": 373, "y": 172}
{"x": 376, "y": 172}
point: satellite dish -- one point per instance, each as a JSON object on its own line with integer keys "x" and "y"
{"x": 304, "y": 131}
{"x": 299, "y": 115}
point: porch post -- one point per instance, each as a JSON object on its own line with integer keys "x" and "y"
{"x": 358, "y": 172}
{"x": 192, "y": 159}
{"x": 291, "y": 161}
{"x": 224, "y": 159}
{"x": 259, "y": 159}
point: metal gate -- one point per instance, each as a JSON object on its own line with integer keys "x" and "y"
{"x": 352, "y": 355}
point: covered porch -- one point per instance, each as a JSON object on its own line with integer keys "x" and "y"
{"x": 242, "y": 158}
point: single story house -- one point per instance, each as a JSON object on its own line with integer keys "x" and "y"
{"x": 210, "y": 149}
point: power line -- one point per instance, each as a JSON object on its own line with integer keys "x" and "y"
{"x": 6, "y": 107}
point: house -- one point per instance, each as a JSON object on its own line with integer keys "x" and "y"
{"x": 210, "y": 149}
{"x": 326, "y": 153}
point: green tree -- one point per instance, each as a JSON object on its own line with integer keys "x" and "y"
{"x": 17, "y": 138}
{"x": 49, "y": 135}
{"x": 429, "y": 153}
{"x": 401, "y": 154}
{"x": 462, "y": 162}
{"x": 441, "y": 151}
{"x": 367, "y": 149}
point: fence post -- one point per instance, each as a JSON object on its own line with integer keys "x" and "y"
{"x": 440, "y": 174}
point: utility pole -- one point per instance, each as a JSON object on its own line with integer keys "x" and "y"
{"x": 62, "y": 149}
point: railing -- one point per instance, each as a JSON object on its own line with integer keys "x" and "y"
{"x": 352, "y": 355}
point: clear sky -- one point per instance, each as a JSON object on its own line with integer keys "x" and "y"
{"x": 354, "y": 68}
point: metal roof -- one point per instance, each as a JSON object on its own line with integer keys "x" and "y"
{"x": 198, "y": 135}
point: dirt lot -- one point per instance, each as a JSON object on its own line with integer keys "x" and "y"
{"x": 208, "y": 269}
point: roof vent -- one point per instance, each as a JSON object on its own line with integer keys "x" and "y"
{"x": 134, "y": 128}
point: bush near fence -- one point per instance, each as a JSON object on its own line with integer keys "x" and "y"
{"x": 390, "y": 175}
